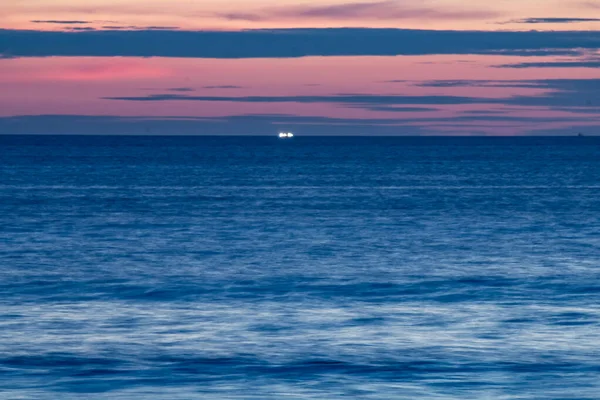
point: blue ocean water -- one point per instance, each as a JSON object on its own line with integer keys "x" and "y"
{"x": 312, "y": 268}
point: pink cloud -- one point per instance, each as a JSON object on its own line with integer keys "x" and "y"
{"x": 591, "y": 4}
{"x": 381, "y": 10}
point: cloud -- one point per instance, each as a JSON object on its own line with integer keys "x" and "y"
{"x": 562, "y": 93}
{"x": 550, "y": 20}
{"x": 189, "y": 89}
{"x": 578, "y": 97}
{"x": 579, "y": 110}
{"x": 558, "y": 93}
{"x": 222, "y": 87}
{"x": 553, "y": 64}
{"x": 138, "y": 28}
{"x": 396, "y": 109}
{"x": 590, "y": 4}
{"x": 181, "y": 89}
{"x": 158, "y": 28}
{"x": 480, "y": 83}
{"x": 379, "y": 10}
{"x": 173, "y": 89}
{"x": 484, "y": 112}
{"x": 65, "y": 22}
{"x": 241, "y": 16}
{"x": 234, "y": 125}
{"x": 82, "y": 28}
{"x": 573, "y": 52}
{"x": 456, "y": 83}
{"x": 365, "y": 99}
{"x": 271, "y": 124}
{"x": 574, "y": 95}
{"x": 283, "y": 43}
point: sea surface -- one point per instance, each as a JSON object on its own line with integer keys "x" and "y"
{"x": 310, "y": 268}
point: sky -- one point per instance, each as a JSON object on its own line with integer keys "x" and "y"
{"x": 314, "y": 67}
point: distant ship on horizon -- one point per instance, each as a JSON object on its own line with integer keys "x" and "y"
{"x": 286, "y": 135}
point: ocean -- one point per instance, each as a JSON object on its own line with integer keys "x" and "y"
{"x": 310, "y": 268}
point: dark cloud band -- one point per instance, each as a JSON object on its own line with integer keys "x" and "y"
{"x": 270, "y": 124}
{"x": 283, "y": 43}
{"x": 61, "y": 22}
{"x": 551, "y": 20}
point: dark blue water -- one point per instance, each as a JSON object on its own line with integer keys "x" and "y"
{"x": 321, "y": 268}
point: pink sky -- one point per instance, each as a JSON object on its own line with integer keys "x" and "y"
{"x": 244, "y": 14}
{"x": 60, "y": 85}
{"x": 81, "y": 85}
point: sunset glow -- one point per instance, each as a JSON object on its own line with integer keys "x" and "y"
{"x": 520, "y": 86}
